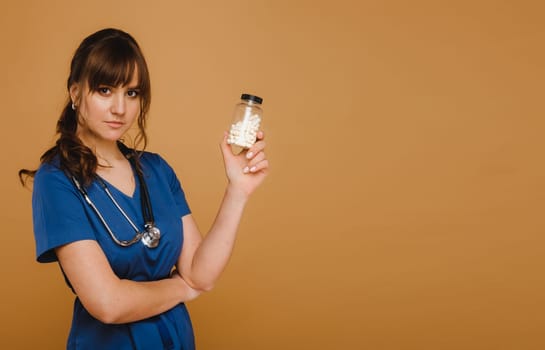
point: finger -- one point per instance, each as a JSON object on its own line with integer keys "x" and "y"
{"x": 224, "y": 146}
{"x": 255, "y": 160}
{"x": 260, "y": 135}
{"x": 224, "y": 139}
{"x": 257, "y": 147}
{"x": 260, "y": 167}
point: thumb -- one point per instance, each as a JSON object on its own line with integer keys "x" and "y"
{"x": 224, "y": 146}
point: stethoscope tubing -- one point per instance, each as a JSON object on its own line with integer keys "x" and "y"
{"x": 151, "y": 234}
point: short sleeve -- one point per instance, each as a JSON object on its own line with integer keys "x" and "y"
{"x": 175, "y": 186}
{"x": 58, "y": 211}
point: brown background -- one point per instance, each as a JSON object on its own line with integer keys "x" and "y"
{"x": 405, "y": 207}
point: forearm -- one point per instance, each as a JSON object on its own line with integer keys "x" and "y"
{"x": 111, "y": 299}
{"x": 213, "y": 253}
{"x": 129, "y": 301}
{"x": 203, "y": 260}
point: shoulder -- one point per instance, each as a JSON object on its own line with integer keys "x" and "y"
{"x": 154, "y": 165}
{"x": 151, "y": 160}
{"x": 150, "y": 157}
{"x": 52, "y": 185}
{"x": 49, "y": 174}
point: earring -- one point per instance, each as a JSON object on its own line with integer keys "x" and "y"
{"x": 73, "y": 106}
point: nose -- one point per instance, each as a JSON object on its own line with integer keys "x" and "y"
{"x": 118, "y": 104}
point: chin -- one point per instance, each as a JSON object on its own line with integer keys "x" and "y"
{"x": 113, "y": 137}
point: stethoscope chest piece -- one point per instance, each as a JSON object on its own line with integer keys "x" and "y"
{"x": 151, "y": 236}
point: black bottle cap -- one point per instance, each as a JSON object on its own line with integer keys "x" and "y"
{"x": 249, "y": 97}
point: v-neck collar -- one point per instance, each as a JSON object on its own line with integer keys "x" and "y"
{"x": 135, "y": 192}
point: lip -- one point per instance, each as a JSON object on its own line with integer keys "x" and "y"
{"x": 115, "y": 124}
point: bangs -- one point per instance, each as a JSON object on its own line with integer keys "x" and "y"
{"x": 113, "y": 64}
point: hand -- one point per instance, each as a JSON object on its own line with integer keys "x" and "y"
{"x": 189, "y": 293}
{"x": 247, "y": 170}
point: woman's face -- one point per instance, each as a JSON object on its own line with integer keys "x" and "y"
{"x": 107, "y": 114}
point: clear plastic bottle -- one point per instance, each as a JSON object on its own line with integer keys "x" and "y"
{"x": 247, "y": 120}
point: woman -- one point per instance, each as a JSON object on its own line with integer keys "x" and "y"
{"x": 117, "y": 220}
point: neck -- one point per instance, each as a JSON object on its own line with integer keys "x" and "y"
{"x": 107, "y": 152}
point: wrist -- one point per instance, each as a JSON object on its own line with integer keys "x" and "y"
{"x": 183, "y": 291}
{"x": 236, "y": 194}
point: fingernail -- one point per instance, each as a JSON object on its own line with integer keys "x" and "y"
{"x": 252, "y": 169}
{"x": 246, "y": 170}
{"x": 249, "y": 155}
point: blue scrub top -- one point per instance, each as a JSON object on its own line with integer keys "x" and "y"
{"x": 61, "y": 215}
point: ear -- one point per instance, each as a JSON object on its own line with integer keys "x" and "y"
{"x": 75, "y": 93}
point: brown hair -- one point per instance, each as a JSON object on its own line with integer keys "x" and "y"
{"x": 107, "y": 57}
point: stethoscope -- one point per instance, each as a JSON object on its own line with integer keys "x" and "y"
{"x": 151, "y": 235}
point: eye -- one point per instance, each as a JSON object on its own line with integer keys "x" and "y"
{"x": 103, "y": 90}
{"x": 133, "y": 93}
